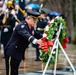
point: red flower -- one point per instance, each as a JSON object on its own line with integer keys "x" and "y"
{"x": 45, "y": 43}
{"x": 43, "y": 38}
{"x": 46, "y": 50}
{"x": 48, "y": 23}
{"x": 65, "y": 40}
{"x": 50, "y": 43}
{"x": 64, "y": 46}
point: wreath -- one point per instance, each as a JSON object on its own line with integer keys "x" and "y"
{"x": 48, "y": 39}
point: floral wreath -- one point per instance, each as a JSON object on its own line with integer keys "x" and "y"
{"x": 48, "y": 39}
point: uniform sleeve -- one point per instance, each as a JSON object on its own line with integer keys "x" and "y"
{"x": 37, "y": 34}
{"x": 22, "y": 30}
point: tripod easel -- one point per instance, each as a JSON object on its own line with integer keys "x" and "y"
{"x": 56, "y": 44}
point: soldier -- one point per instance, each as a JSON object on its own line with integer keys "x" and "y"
{"x": 42, "y": 22}
{"x": 7, "y": 28}
{"x": 23, "y": 34}
{"x": 1, "y": 13}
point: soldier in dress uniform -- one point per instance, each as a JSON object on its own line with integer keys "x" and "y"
{"x": 1, "y": 13}
{"x": 42, "y": 22}
{"x": 22, "y": 35}
{"x": 7, "y": 28}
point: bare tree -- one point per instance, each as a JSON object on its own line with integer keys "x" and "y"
{"x": 68, "y": 8}
{"x": 73, "y": 10}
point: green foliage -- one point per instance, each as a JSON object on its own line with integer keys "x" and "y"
{"x": 50, "y": 35}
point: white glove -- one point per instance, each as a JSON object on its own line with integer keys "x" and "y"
{"x": 6, "y": 11}
{"x": 13, "y": 12}
{"x": 6, "y": 30}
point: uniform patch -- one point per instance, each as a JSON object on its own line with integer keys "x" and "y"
{"x": 22, "y": 26}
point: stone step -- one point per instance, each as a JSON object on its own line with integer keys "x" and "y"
{"x": 68, "y": 68}
{"x": 33, "y": 74}
{"x": 49, "y": 72}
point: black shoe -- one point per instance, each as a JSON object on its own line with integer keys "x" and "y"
{"x": 37, "y": 60}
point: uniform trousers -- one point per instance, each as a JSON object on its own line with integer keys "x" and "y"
{"x": 37, "y": 52}
{"x": 12, "y": 65}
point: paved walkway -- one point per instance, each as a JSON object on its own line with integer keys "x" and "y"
{"x": 31, "y": 64}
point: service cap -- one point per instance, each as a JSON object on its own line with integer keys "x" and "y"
{"x": 33, "y": 13}
{"x": 45, "y": 11}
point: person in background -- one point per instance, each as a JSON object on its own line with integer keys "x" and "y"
{"x": 7, "y": 28}
{"x": 42, "y": 22}
{"x": 29, "y": 8}
{"x": 1, "y": 13}
{"x": 22, "y": 35}
{"x": 1, "y": 24}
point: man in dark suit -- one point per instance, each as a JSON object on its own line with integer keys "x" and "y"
{"x": 22, "y": 35}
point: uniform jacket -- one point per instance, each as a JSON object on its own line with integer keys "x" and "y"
{"x": 1, "y": 19}
{"x": 7, "y": 29}
{"x": 20, "y": 40}
{"x": 41, "y": 25}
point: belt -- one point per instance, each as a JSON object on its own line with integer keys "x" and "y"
{"x": 40, "y": 28}
{"x": 6, "y": 26}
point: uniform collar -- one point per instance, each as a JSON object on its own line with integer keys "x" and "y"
{"x": 28, "y": 25}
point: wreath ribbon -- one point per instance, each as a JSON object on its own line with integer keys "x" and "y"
{"x": 46, "y": 44}
{"x": 64, "y": 41}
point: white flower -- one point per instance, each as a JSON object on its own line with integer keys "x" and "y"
{"x": 47, "y": 28}
{"x": 44, "y": 35}
{"x": 54, "y": 52}
{"x": 52, "y": 21}
{"x": 57, "y": 16}
{"x": 47, "y": 38}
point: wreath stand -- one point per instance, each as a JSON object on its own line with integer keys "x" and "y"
{"x": 55, "y": 46}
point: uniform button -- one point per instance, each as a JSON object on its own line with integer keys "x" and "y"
{"x": 15, "y": 46}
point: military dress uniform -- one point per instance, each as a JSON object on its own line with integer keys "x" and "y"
{"x": 41, "y": 25}
{"x": 1, "y": 13}
{"x": 15, "y": 49}
{"x": 1, "y": 18}
{"x": 7, "y": 29}
{"x": 40, "y": 29}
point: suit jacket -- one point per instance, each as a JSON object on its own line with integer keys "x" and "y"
{"x": 19, "y": 41}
